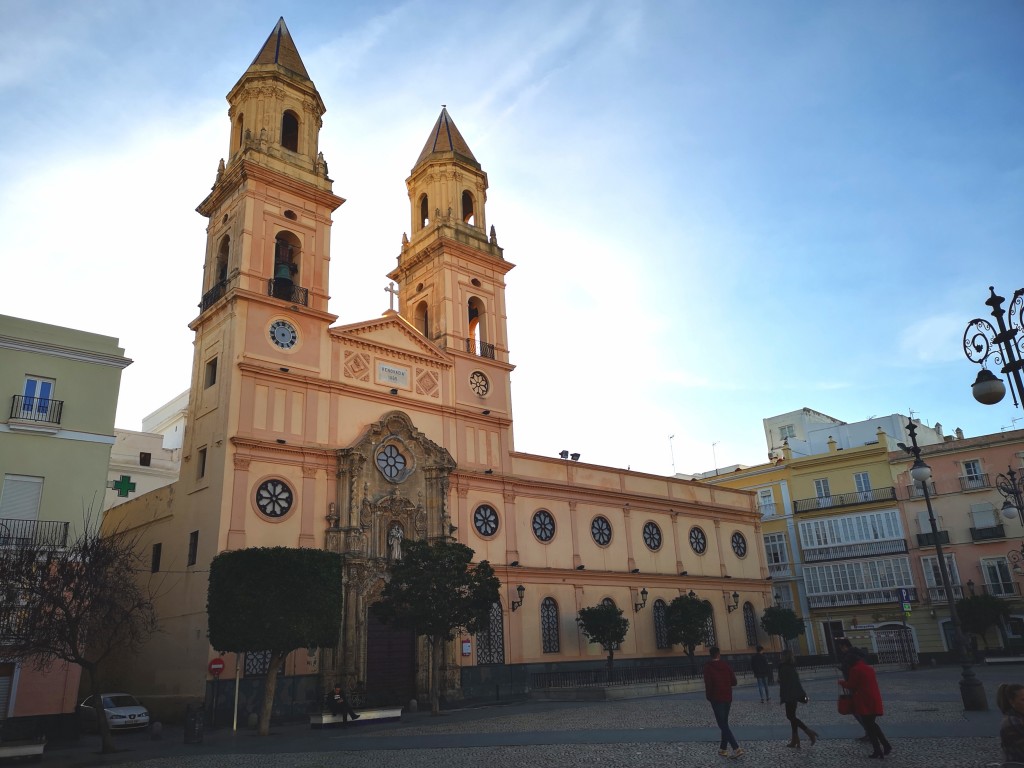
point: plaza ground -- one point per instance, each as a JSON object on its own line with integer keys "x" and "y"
{"x": 924, "y": 720}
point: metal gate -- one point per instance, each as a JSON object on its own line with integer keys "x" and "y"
{"x": 895, "y": 645}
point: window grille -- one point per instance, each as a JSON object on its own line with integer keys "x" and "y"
{"x": 490, "y": 642}
{"x": 549, "y": 625}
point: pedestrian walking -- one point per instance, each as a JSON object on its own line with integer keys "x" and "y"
{"x": 792, "y": 694}
{"x": 719, "y": 680}
{"x": 867, "y": 702}
{"x": 848, "y": 656}
{"x": 759, "y": 666}
{"x": 1010, "y": 700}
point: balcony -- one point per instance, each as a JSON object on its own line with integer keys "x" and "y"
{"x": 25, "y": 533}
{"x": 286, "y": 290}
{"x": 1002, "y": 589}
{"x": 916, "y": 490}
{"x": 990, "y": 532}
{"x": 928, "y": 539}
{"x": 780, "y": 570}
{"x": 938, "y": 594}
{"x": 767, "y": 509}
{"x": 865, "y": 597}
{"x": 865, "y": 549}
{"x": 36, "y": 410}
{"x": 481, "y": 348}
{"x": 213, "y": 295}
{"x": 974, "y": 482}
{"x": 844, "y": 500}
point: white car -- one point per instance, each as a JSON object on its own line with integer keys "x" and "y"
{"x": 123, "y": 711}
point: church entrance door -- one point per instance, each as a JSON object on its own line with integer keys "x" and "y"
{"x": 390, "y": 663}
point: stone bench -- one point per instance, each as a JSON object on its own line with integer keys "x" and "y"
{"x": 381, "y": 714}
{"x": 24, "y": 748}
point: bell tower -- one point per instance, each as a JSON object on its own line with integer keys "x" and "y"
{"x": 264, "y": 300}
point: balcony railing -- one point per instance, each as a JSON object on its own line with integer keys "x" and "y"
{"x": 865, "y": 549}
{"x": 284, "y": 289}
{"x": 973, "y": 482}
{"x": 211, "y": 296}
{"x": 37, "y": 409}
{"x": 868, "y": 596}
{"x": 844, "y": 499}
{"x": 780, "y": 570}
{"x": 1002, "y": 589}
{"x": 928, "y": 539}
{"x": 23, "y": 533}
{"x": 938, "y": 594}
{"x": 989, "y": 532}
{"x": 481, "y": 348}
{"x": 767, "y": 509}
{"x": 916, "y": 490}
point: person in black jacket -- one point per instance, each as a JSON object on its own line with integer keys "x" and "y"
{"x": 759, "y": 666}
{"x": 791, "y": 693}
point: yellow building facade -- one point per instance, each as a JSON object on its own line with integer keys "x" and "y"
{"x": 56, "y": 432}
{"x": 304, "y": 433}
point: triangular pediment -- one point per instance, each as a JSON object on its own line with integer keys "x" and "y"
{"x": 392, "y": 334}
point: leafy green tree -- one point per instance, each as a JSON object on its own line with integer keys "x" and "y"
{"x": 980, "y": 613}
{"x": 604, "y": 624}
{"x": 434, "y": 591}
{"x": 782, "y": 622}
{"x": 274, "y": 599}
{"x": 78, "y": 603}
{"x": 686, "y": 623}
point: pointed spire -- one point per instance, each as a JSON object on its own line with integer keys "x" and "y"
{"x": 280, "y": 50}
{"x": 445, "y": 138}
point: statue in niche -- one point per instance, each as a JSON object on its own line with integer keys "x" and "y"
{"x": 395, "y": 536}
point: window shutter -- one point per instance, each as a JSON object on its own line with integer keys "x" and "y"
{"x": 21, "y": 496}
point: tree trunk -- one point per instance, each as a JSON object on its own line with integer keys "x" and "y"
{"x": 433, "y": 645}
{"x": 102, "y": 726}
{"x": 276, "y": 659}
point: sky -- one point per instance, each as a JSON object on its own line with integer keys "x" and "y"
{"x": 718, "y": 212}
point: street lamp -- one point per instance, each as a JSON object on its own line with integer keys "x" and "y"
{"x": 982, "y": 341}
{"x": 735, "y": 601}
{"x": 972, "y": 693}
{"x": 643, "y": 601}
{"x": 521, "y": 590}
{"x": 1012, "y": 490}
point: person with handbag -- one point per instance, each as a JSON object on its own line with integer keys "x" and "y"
{"x": 867, "y": 702}
{"x": 791, "y": 693}
{"x": 848, "y": 656}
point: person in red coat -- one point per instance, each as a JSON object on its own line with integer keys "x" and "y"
{"x": 867, "y": 703}
{"x": 719, "y": 680}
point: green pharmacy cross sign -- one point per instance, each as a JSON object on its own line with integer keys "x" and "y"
{"x": 123, "y": 486}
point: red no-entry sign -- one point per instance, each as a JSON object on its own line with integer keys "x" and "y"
{"x": 216, "y": 666}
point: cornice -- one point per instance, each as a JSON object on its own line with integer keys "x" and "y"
{"x": 67, "y": 353}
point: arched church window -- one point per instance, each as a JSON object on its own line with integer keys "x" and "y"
{"x": 468, "y": 212}
{"x": 549, "y": 625}
{"x": 660, "y": 627}
{"x": 710, "y": 636}
{"x": 477, "y": 330}
{"x": 490, "y": 641}
{"x": 750, "y": 624}
{"x": 290, "y": 131}
{"x": 221, "y": 270}
{"x": 422, "y": 319}
{"x": 239, "y": 131}
{"x": 286, "y": 264}
{"x": 424, "y": 211}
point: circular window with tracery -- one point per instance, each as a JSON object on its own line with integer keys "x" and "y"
{"x": 698, "y": 540}
{"x": 485, "y": 520}
{"x": 601, "y": 530}
{"x": 652, "y": 536}
{"x": 390, "y": 462}
{"x": 739, "y": 544}
{"x": 274, "y": 498}
{"x": 543, "y": 525}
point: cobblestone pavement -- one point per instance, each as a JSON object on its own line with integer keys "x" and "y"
{"x": 924, "y": 720}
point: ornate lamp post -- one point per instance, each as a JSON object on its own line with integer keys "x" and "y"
{"x": 1012, "y": 490}
{"x": 1002, "y": 344}
{"x": 972, "y": 693}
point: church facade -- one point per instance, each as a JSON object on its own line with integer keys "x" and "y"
{"x": 304, "y": 433}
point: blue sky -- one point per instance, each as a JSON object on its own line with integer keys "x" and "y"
{"x": 718, "y": 211}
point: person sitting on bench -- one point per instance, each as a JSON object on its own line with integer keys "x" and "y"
{"x": 338, "y": 705}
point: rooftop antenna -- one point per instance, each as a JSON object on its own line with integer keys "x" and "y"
{"x": 715, "y": 455}
{"x": 672, "y": 453}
